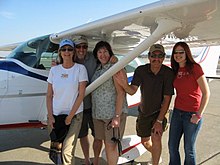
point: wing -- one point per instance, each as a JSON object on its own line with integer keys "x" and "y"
{"x": 9, "y": 47}
{"x": 134, "y": 31}
{"x": 166, "y": 21}
{"x": 195, "y": 21}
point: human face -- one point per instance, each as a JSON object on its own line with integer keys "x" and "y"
{"x": 103, "y": 55}
{"x": 81, "y": 50}
{"x": 180, "y": 55}
{"x": 156, "y": 58}
{"x": 67, "y": 52}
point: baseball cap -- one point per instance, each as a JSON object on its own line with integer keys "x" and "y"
{"x": 80, "y": 40}
{"x": 157, "y": 47}
{"x": 66, "y": 42}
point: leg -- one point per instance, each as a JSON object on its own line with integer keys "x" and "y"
{"x": 84, "y": 142}
{"x": 175, "y": 134}
{"x": 99, "y": 136}
{"x": 156, "y": 148}
{"x": 69, "y": 144}
{"x": 111, "y": 153}
{"x": 143, "y": 128}
{"x": 97, "y": 146}
{"x": 190, "y": 134}
{"x": 83, "y": 135}
{"x": 147, "y": 143}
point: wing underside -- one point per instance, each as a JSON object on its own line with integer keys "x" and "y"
{"x": 196, "y": 22}
{"x": 166, "y": 21}
{"x": 134, "y": 31}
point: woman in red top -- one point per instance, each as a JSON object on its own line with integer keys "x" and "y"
{"x": 192, "y": 95}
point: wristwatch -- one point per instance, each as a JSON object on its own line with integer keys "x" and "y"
{"x": 159, "y": 121}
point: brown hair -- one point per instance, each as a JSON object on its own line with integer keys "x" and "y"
{"x": 189, "y": 58}
{"x": 102, "y": 44}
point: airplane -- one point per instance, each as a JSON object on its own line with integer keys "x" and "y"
{"x": 24, "y": 71}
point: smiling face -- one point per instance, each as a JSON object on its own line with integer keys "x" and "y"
{"x": 180, "y": 55}
{"x": 67, "y": 53}
{"x": 156, "y": 59}
{"x": 103, "y": 55}
{"x": 81, "y": 50}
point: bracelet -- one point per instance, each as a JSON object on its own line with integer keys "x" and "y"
{"x": 198, "y": 116}
{"x": 159, "y": 121}
{"x": 117, "y": 115}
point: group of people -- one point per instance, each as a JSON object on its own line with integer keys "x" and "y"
{"x": 104, "y": 111}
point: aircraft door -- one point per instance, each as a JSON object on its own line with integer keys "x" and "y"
{"x": 3, "y": 83}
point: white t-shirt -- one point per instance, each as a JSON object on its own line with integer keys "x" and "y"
{"x": 65, "y": 83}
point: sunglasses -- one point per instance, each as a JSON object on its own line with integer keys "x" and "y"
{"x": 157, "y": 55}
{"x": 68, "y": 49}
{"x": 179, "y": 52}
{"x": 81, "y": 46}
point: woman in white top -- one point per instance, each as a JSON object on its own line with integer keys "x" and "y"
{"x": 66, "y": 89}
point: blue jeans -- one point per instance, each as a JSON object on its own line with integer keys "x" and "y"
{"x": 181, "y": 125}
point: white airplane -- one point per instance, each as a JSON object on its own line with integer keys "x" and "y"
{"x": 23, "y": 73}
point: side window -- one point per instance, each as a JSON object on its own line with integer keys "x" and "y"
{"x": 131, "y": 66}
{"x": 47, "y": 58}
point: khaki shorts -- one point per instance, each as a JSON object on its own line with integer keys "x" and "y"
{"x": 103, "y": 130}
{"x": 145, "y": 124}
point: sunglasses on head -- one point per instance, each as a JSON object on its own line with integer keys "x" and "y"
{"x": 81, "y": 46}
{"x": 66, "y": 49}
{"x": 156, "y": 55}
{"x": 179, "y": 52}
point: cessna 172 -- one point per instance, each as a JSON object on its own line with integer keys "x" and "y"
{"x": 24, "y": 71}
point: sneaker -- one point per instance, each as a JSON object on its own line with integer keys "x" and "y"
{"x": 150, "y": 162}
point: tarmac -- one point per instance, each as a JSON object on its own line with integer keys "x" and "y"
{"x": 31, "y": 146}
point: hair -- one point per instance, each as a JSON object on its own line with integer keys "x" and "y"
{"x": 61, "y": 58}
{"x": 102, "y": 44}
{"x": 189, "y": 58}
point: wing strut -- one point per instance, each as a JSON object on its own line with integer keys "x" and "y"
{"x": 164, "y": 26}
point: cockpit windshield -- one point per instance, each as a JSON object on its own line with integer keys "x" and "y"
{"x": 36, "y": 53}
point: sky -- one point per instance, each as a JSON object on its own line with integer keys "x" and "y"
{"x": 21, "y": 20}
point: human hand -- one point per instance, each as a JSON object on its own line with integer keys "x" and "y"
{"x": 157, "y": 129}
{"x": 115, "y": 122}
{"x": 53, "y": 63}
{"x": 194, "y": 119}
{"x": 121, "y": 78}
{"x": 68, "y": 120}
{"x": 113, "y": 59}
{"x": 51, "y": 121}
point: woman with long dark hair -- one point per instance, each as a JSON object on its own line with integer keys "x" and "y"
{"x": 192, "y": 95}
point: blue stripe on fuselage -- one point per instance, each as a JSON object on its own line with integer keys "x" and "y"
{"x": 13, "y": 67}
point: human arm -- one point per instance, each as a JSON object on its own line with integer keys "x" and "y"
{"x": 79, "y": 99}
{"x": 49, "y": 102}
{"x": 158, "y": 127}
{"x": 120, "y": 98}
{"x": 205, "y": 98}
{"x": 122, "y": 80}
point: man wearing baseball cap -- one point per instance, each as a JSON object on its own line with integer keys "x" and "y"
{"x": 89, "y": 61}
{"x": 156, "y": 84}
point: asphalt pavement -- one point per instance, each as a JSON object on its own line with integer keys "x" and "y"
{"x": 31, "y": 146}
